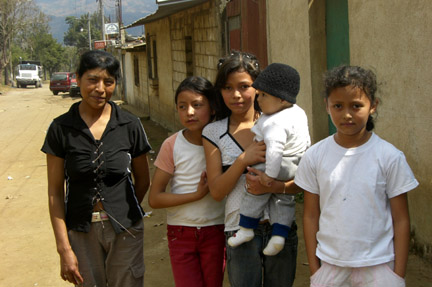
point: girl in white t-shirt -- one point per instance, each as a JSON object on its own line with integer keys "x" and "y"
{"x": 195, "y": 220}
{"x": 356, "y": 221}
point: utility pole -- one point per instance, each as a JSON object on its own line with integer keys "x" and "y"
{"x": 103, "y": 19}
{"x": 119, "y": 11}
{"x": 89, "y": 32}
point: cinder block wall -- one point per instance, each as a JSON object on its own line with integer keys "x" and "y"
{"x": 200, "y": 25}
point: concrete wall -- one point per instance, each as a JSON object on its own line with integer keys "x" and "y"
{"x": 137, "y": 96}
{"x": 392, "y": 40}
{"x": 160, "y": 92}
{"x": 395, "y": 41}
{"x": 289, "y": 42}
{"x": 318, "y": 65}
{"x": 128, "y": 75}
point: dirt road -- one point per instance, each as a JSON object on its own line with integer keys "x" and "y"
{"x": 27, "y": 250}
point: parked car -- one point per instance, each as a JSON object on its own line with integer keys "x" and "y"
{"x": 64, "y": 82}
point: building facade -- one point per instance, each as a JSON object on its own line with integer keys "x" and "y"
{"x": 391, "y": 39}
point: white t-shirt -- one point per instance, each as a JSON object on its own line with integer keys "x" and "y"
{"x": 186, "y": 162}
{"x": 354, "y": 187}
{"x": 285, "y": 133}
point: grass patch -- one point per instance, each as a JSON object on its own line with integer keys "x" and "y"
{"x": 299, "y": 197}
{"x": 4, "y": 88}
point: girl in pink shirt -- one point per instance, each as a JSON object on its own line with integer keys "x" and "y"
{"x": 195, "y": 220}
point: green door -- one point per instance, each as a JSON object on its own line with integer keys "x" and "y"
{"x": 337, "y": 37}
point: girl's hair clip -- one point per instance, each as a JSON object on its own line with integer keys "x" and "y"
{"x": 220, "y": 62}
{"x": 253, "y": 60}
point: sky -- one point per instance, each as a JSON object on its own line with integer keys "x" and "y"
{"x": 132, "y": 10}
{"x": 78, "y": 7}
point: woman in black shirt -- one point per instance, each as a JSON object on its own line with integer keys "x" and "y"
{"x": 92, "y": 152}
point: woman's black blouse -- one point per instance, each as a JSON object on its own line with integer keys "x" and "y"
{"x": 98, "y": 169}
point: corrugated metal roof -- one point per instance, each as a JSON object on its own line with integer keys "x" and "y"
{"x": 166, "y": 9}
{"x": 134, "y": 46}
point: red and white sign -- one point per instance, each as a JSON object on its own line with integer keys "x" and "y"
{"x": 99, "y": 45}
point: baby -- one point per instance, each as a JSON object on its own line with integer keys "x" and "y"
{"x": 283, "y": 127}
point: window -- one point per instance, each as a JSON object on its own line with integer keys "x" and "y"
{"x": 136, "y": 70}
{"x": 152, "y": 57}
{"x": 189, "y": 56}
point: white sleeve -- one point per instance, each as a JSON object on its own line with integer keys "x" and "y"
{"x": 400, "y": 178}
{"x": 274, "y": 153}
{"x": 275, "y": 139}
{"x": 306, "y": 176}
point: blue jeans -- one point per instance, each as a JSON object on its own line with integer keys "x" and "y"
{"x": 248, "y": 267}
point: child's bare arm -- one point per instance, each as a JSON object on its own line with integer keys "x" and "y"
{"x": 158, "y": 198}
{"x": 310, "y": 228}
{"x": 401, "y": 227}
{"x": 222, "y": 183}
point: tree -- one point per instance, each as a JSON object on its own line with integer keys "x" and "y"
{"x": 77, "y": 33}
{"x": 49, "y": 52}
{"x": 71, "y": 58}
{"x": 31, "y": 34}
{"x": 16, "y": 16}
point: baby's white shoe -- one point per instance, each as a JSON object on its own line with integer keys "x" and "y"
{"x": 275, "y": 245}
{"x": 241, "y": 236}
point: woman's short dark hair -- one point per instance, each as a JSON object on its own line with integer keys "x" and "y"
{"x": 99, "y": 59}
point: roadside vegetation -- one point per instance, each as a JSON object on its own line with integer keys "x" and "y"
{"x": 25, "y": 35}
{"x": 4, "y": 89}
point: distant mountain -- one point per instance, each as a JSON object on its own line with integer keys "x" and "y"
{"x": 132, "y": 10}
{"x": 58, "y": 27}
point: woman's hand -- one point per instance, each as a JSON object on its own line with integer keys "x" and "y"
{"x": 254, "y": 185}
{"x": 266, "y": 180}
{"x": 254, "y": 153}
{"x": 68, "y": 261}
{"x": 69, "y": 268}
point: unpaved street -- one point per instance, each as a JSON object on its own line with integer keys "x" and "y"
{"x": 27, "y": 249}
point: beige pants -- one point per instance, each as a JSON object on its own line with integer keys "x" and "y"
{"x": 109, "y": 259}
{"x": 374, "y": 276}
